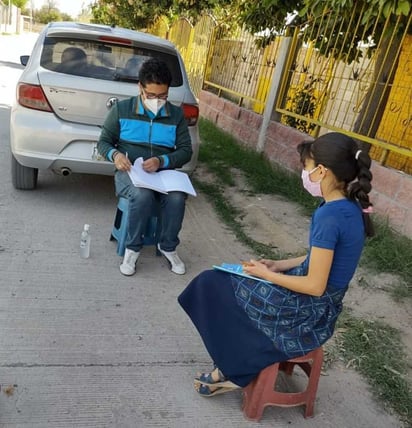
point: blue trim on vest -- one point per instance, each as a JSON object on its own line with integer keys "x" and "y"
{"x": 140, "y": 108}
{"x": 141, "y": 132}
{"x": 110, "y": 155}
{"x": 165, "y": 161}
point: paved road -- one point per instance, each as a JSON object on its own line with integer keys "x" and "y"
{"x": 82, "y": 346}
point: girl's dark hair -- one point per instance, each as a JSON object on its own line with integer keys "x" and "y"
{"x": 350, "y": 165}
{"x": 156, "y": 71}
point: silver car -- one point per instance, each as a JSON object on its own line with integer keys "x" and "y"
{"x": 73, "y": 76}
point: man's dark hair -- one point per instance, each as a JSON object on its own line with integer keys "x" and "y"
{"x": 156, "y": 71}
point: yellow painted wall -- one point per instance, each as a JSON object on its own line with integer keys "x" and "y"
{"x": 396, "y": 124}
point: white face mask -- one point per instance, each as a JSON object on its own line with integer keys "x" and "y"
{"x": 313, "y": 187}
{"x": 154, "y": 104}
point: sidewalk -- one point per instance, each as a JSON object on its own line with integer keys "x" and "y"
{"x": 83, "y": 346}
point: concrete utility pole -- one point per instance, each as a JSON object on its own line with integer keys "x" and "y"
{"x": 273, "y": 91}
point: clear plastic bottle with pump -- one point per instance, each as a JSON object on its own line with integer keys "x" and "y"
{"x": 85, "y": 242}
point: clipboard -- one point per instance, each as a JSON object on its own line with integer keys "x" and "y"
{"x": 237, "y": 269}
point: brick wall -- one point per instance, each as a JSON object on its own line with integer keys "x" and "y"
{"x": 392, "y": 190}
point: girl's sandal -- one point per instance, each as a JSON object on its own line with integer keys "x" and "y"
{"x": 207, "y": 379}
{"x": 205, "y": 391}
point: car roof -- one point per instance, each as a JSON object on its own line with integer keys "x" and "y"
{"x": 61, "y": 29}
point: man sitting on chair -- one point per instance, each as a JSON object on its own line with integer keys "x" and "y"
{"x": 150, "y": 127}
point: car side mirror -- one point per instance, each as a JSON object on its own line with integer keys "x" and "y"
{"x": 24, "y": 59}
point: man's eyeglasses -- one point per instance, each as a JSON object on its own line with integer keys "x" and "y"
{"x": 152, "y": 96}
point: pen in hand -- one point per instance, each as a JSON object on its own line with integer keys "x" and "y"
{"x": 122, "y": 162}
{"x": 129, "y": 164}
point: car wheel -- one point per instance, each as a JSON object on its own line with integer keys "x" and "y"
{"x": 23, "y": 177}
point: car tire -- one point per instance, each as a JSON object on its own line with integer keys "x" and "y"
{"x": 23, "y": 177}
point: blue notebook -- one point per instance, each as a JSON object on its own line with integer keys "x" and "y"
{"x": 237, "y": 269}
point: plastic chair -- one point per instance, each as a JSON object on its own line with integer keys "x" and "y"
{"x": 119, "y": 232}
{"x": 261, "y": 391}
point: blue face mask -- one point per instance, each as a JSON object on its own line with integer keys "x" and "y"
{"x": 313, "y": 187}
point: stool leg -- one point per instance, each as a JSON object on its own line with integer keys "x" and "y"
{"x": 119, "y": 230}
{"x": 254, "y": 393}
{"x": 261, "y": 392}
{"x": 287, "y": 367}
{"x": 116, "y": 226}
{"x": 121, "y": 242}
{"x": 313, "y": 382}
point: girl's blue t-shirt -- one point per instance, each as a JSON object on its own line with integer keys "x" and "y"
{"x": 338, "y": 226}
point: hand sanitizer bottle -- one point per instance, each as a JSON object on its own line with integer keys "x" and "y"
{"x": 85, "y": 242}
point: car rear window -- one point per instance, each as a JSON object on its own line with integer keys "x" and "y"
{"x": 102, "y": 60}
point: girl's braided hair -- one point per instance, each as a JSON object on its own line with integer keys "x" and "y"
{"x": 350, "y": 165}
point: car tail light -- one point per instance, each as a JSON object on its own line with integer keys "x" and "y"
{"x": 32, "y": 96}
{"x": 191, "y": 113}
{"x": 116, "y": 40}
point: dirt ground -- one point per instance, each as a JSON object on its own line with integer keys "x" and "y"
{"x": 279, "y": 223}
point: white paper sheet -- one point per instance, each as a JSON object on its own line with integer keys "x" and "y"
{"x": 164, "y": 181}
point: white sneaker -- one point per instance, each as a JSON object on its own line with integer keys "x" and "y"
{"x": 175, "y": 262}
{"x": 128, "y": 267}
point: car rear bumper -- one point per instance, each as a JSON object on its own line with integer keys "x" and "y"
{"x": 50, "y": 143}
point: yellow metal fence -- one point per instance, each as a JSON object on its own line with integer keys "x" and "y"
{"x": 318, "y": 93}
{"x": 369, "y": 98}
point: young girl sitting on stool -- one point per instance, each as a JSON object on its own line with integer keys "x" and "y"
{"x": 246, "y": 324}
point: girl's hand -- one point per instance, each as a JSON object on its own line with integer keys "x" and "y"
{"x": 272, "y": 265}
{"x": 256, "y": 268}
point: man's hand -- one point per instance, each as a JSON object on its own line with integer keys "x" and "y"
{"x": 151, "y": 164}
{"x": 122, "y": 162}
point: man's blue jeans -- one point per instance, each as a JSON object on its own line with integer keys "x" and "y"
{"x": 141, "y": 204}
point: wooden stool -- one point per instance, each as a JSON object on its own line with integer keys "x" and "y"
{"x": 151, "y": 235}
{"x": 261, "y": 391}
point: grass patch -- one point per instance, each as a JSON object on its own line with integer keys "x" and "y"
{"x": 221, "y": 153}
{"x": 372, "y": 347}
{"x": 390, "y": 252}
{"x": 228, "y": 213}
